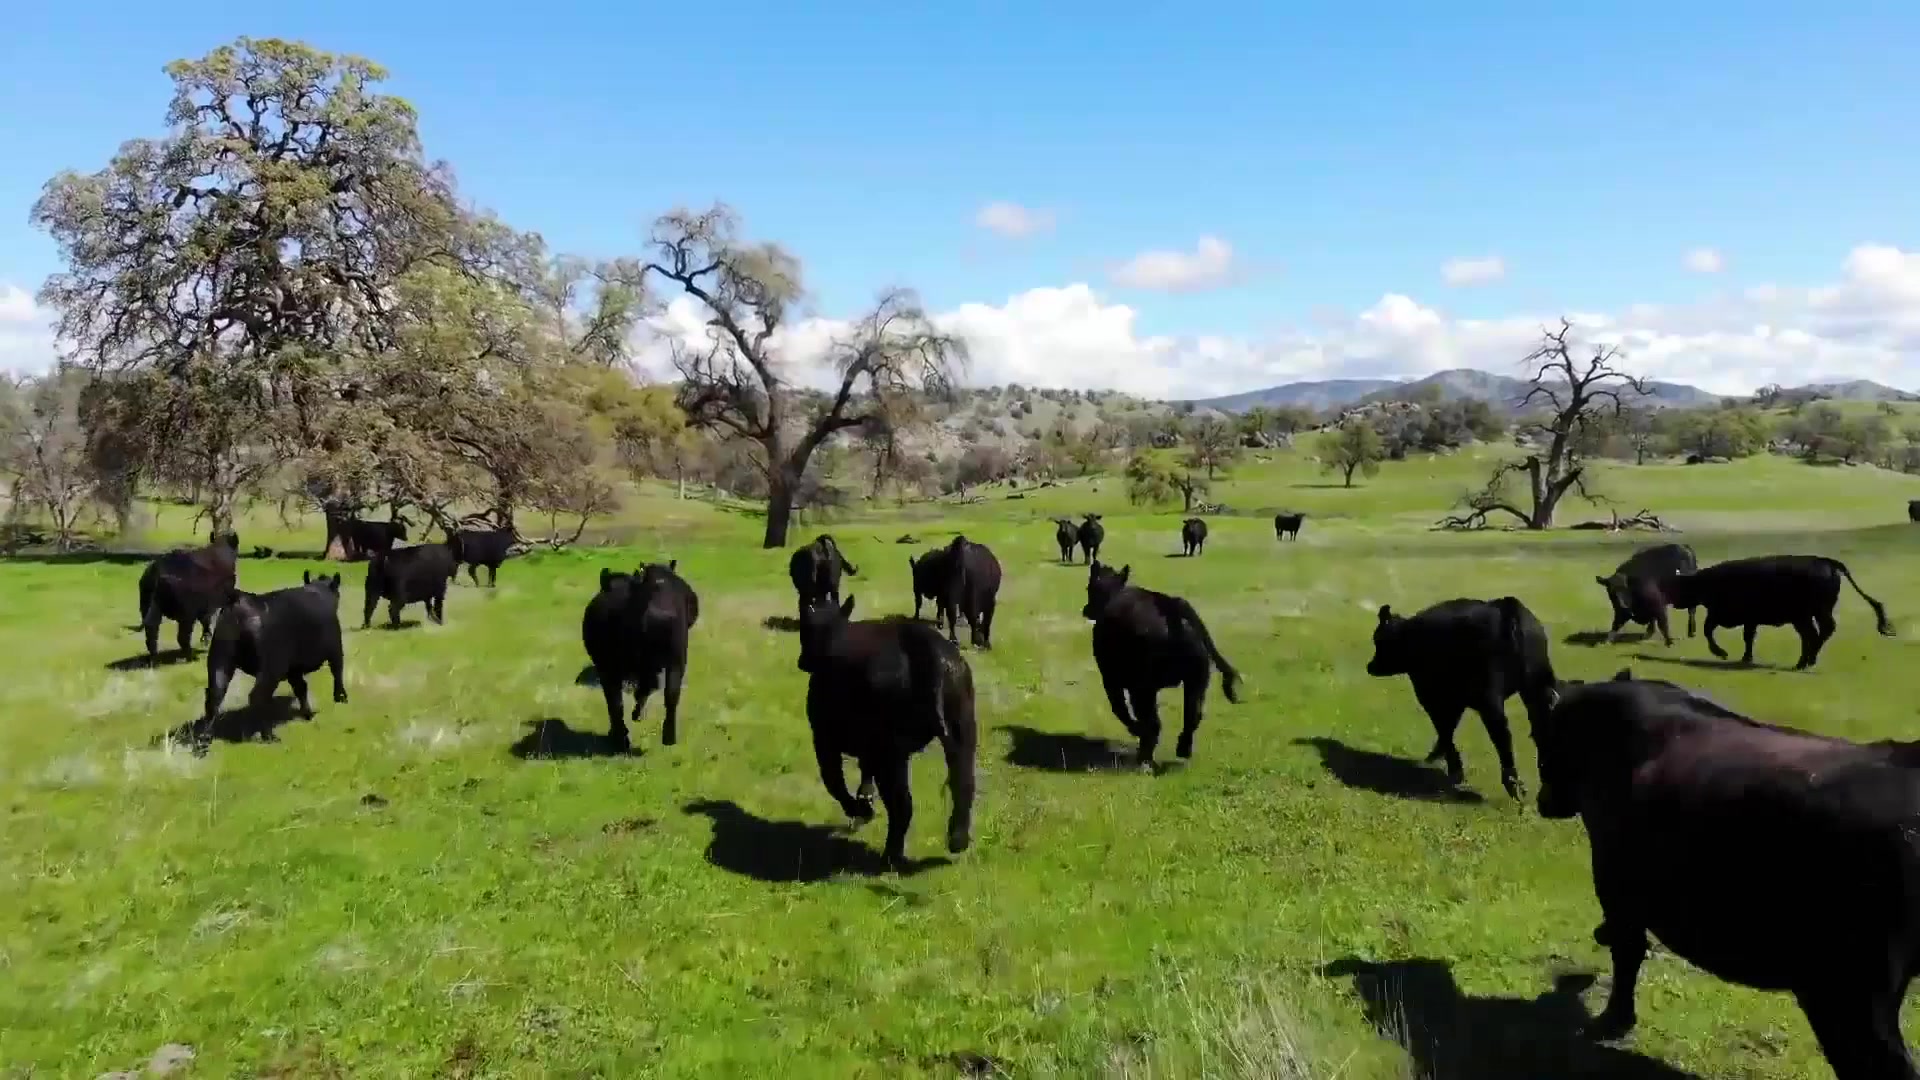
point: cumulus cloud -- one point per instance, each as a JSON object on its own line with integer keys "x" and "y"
{"x": 1014, "y": 221}
{"x": 1865, "y": 324}
{"x": 1210, "y": 265}
{"x": 1479, "y": 270}
{"x": 26, "y": 332}
{"x": 1705, "y": 261}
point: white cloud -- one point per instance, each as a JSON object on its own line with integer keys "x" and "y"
{"x": 1864, "y": 325}
{"x": 1705, "y": 261}
{"x": 1480, "y": 270}
{"x": 26, "y": 332}
{"x": 1210, "y": 265}
{"x": 1014, "y": 221}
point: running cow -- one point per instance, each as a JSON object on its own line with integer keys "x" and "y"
{"x": 1287, "y": 526}
{"x": 635, "y": 630}
{"x": 409, "y": 575}
{"x": 1771, "y": 858}
{"x": 1800, "y": 591}
{"x": 1065, "y": 535}
{"x": 1469, "y": 654}
{"x": 1638, "y": 588}
{"x": 1091, "y": 535}
{"x": 1145, "y": 642}
{"x": 816, "y": 569}
{"x": 1193, "y": 536}
{"x": 280, "y": 636}
{"x": 475, "y": 548}
{"x": 963, "y": 580}
{"x": 188, "y": 586}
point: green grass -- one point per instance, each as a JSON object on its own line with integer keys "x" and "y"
{"x": 391, "y": 890}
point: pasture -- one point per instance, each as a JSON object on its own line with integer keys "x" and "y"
{"x": 451, "y": 876}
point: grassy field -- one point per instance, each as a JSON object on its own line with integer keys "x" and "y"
{"x": 406, "y": 886}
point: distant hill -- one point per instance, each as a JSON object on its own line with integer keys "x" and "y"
{"x": 1502, "y": 390}
{"x": 1856, "y": 390}
{"x": 1311, "y": 395}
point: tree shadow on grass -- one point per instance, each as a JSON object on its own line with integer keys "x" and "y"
{"x": 239, "y": 724}
{"x": 143, "y": 662}
{"x": 1387, "y": 774}
{"x": 551, "y": 738}
{"x": 1334, "y": 486}
{"x": 785, "y": 624}
{"x": 788, "y": 851}
{"x": 1053, "y": 751}
{"x": 79, "y": 558}
{"x": 1453, "y": 1035}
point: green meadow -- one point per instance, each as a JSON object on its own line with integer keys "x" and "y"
{"x": 449, "y": 876}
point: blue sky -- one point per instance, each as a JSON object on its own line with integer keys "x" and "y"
{"x": 1343, "y": 154}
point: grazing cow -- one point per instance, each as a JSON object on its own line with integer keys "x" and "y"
{"x": 476, "y": 548}
{"x": 635, "y": 630}
{"x": 1771, "y": 858}
{"x": 1772, "y": 590}
{"x": 284, "y": 635}
{"x": 879, "y": 691}
{"x": 409, "y": 575}
{"x": 1469, "y": 654}
{"x": 1145, "y": 642}
{"x": 962, "y": 579}
{"x": 369, "y": 538}
{"x": 1287, "y": 526}
{"x": 1913, "y": 509}
{"x": 815, "y": 570}
{"x": 1066, "y": 536}
{"x": 188, "y": 585}
{"x": 1091, "y": 534}
{"x": 1637, "y": 588}
{"x": 1193, "y": 536}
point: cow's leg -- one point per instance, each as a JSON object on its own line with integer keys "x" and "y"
{"x": 958, "y": 743}
{"x": 1809, "y": 643}
{"x": 918, "y": 600}
{"x": 670, "y": 728}
{"x": 986, "y": 624}
{"x": 1823, "y": 622}
{"x": 1747, "y": 634}
{"x": 1446, "y": 718}
{"x": 865, "y": 791}
{"x": 1146, "y": 714}
{"x": 1690, "y": 622}
{"x": 493, "y": 574}
{"x": 440, "y": 605}
{"x": 393, "y": 613}
{"x": 1493, "y": 714}
{"x": 183, "y": 637}
{"x": 1621, "y": 617}
{"x": 1117, "y": 701}
{"x": 219, "y": 677}
{"x": 1853, "y": 1036}
{"x": 896, "y": 794}
{"x": 150, "y": 626}
{"x": 337, "y": 667}
{"x": 1193, "y": 701}
{"x": 299, "y": 685}
{"x": 373, "y": 601}
{"x": 1627, "y": 942}
{"x": 833, "y": 775}
{"x": 951, "y": 612}
{"x": 1660, "y": 622}
{"x": 1707, "y": 632}
{"x": 610, "y": 682}
{"x": 260, "y": 703}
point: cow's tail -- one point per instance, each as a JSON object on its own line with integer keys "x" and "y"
{"x": 1536, "y": 667}
{"x": 1229, "y": 678}
{"x": 1883, "y": 624}
{"x": 147, "y": 582}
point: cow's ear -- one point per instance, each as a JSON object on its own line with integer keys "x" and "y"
{"x": 1126, "y": 572}
{"x": 306, "y": 577}
{"x": 673, "y": 564}
{"x": 846, "y": 607}
{"x": 1623, "y": 675}
{"x": 606, "y": 577}
{"x": 1386, "y": 613}
{"x": 1600, "y": 579}
{"x": 335, "y": 586}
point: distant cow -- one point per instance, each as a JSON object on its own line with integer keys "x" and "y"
{"x": 1913, "y": 509}
{"x": 1638, "y": 588}
{"x": 280, "y": 636}
{"x": 475, "y": 548}
{"x": 409, "y": 575}
{"x": 1771, "y": 858}
{"x": 365, "y": 539}
{"x": 1193, "y": 536}
{"x": 1145, "y": 642}
{"x": 815, "y": 570}
{"x": 879, "y": 691}
{"x": 963, "y": 580}
{"x": 1066, "y": 536}
{"x": 1091, "y": 534}
{"x": 1772, "y": 590}
{"x": 1469, "y": 654}
{"x": 635, "y": 630}
{"x": 189, "y": 586}
{"x": 1287, "y": 526}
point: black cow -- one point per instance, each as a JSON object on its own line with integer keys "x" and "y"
{"x": 1193, "y": 536}
{"x": 1066, "y": 536}
{"x": 1145, "y": 642}
{"x": 1090, "y": 534}
{"x": 409, "y": 575}
{"x": 284, "y": 635}
{"x": 1287, "y": 526}
{"x": 815, "y": 570}
{"x": 1772, "y": 590}
{"x": 879, "y": 691}
{"x": 1913, "y": 509}
{"x": 1637, "y": 588}
{"x": 1469, "y": 654}
{"x": 1771, "y": 858}
{"x": 476, "y": 548}
{"x": 635, "y": 630}
{"x": 963, "y": 580}
{"x": 188, "y": 585}
{"x": 365, "y": 539}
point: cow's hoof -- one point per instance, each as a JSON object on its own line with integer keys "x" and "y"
{"x": 1609, "y": 1026}
{"x": 668, "y": 738}
{"x": 958, "y": 842}
{"x": 1515, "y": 789}
{"x": 860, "y": 810}
{"x": 1184, "y": 748}
{"x": 339, "y": 697}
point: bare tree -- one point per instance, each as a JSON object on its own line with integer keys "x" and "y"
{"x": 739, "y": 382}
{"x": 1214, "y": 445}
{"x": 46, "y": 452}
{"x": 1574, "y": 392}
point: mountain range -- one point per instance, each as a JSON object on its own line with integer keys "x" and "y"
{"x": 1501, "y": 390}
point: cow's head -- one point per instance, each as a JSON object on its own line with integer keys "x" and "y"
{"x": 1390, "y": 649}
{"x": 1618, "y": 593}
{"x": 1093, "y": 517}
{"x": 1103, "y": 584}
{"x": 329, "y": 582}
{"x": 820, "y": 624}
{"x": 1572, "y": 741}
{"x": 609, "y": 578}
{"x": 399, "y": 528}
{"x": 228, "y": 539}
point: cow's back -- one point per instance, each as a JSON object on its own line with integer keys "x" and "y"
{"x": 1767, "y": 587}
{"x": 1662, "y": 561}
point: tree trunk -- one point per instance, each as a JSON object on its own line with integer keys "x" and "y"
{"x": 780, "y": 489}
{"x": 1349, "y": 475}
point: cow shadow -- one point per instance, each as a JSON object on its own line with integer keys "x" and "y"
{"x": 588, "y": 676}
{"x": 785, "y": 624}
{"x": 1452, "y": 1035}
{"x": 1053, "y": 751}
{"x": 238, "y": 724}
{"x": 1585, "y": 638}
{"x": 390, "y": 628}
{"x": 143, "y": 662}
{"x": 1705, "y": 663}
{"x": 780, "y": 852}
{"x": 551, "y": 738}
{"x": 1387, "y": 774}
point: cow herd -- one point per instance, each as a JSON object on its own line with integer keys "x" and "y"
{"x": 1769, "y": 857}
